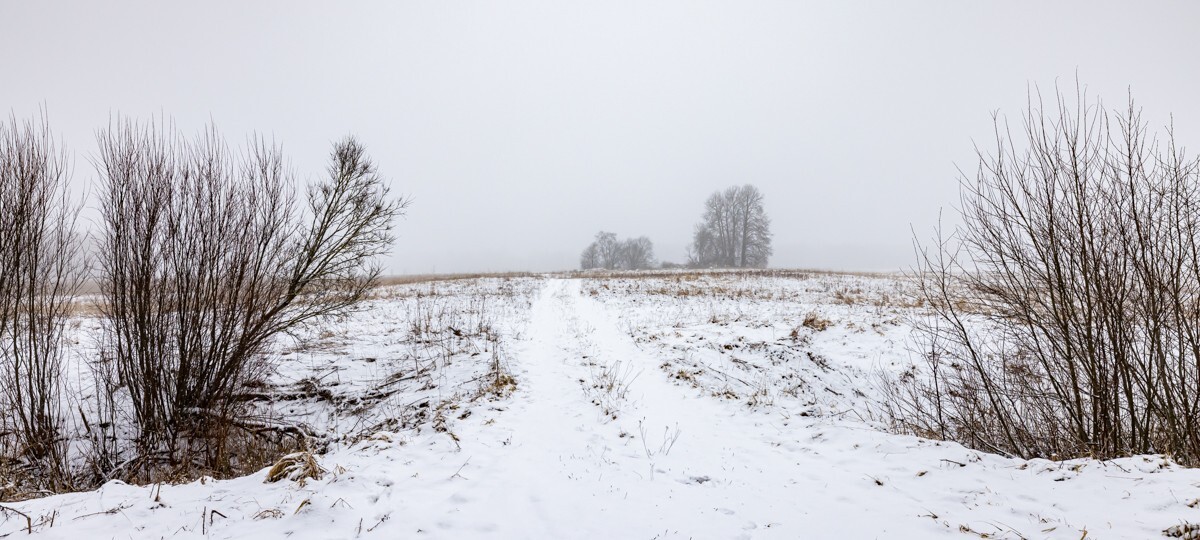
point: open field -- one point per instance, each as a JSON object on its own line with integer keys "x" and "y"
{"x": 675, "y": 404}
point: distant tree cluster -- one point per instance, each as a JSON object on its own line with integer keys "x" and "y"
{"x": 611, "y": 254}
{"x": 734, "y": 231}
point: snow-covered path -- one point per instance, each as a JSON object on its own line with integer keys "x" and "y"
{"x": 571, "y": 472}
{"x": 673, "y": 464}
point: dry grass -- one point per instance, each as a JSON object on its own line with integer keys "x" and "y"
{"x": 842, "y": 288}
{"x": 88, "y": 304}
{"x": 297, "y": 466}
{"x": 387, "y": 281}
{"x": 816, "y": 322}
{"x": 86, "y": 307}
{"x": 693, "y": 274}
{"x": 1186, "y": 531}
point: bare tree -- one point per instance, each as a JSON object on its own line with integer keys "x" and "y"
{"x": 41, "y": 270}
{"x": 734, "y": 232}
{"x": 608, "y": 250}
{"x": 611, "y": 254}
{"x": 1065, "y": 309}
{"x": 590, "y": 258}
{"x": 206, "y": 258}
{"x": 636, "y": 254}
{"x": 604, "y": 252}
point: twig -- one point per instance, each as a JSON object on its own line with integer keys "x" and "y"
{"x": 456, "y": 475}
{"x": 28, "y": 520}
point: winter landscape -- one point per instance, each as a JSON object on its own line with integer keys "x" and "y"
{"x": 657, "y": 405}
{"x": 625, "y": 270}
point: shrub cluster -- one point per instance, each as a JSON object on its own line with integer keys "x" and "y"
{"x": 204, "y": 256}
{"x": 1066, "y": 308}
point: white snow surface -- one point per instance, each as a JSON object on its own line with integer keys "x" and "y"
{"x": 726, "y": 419}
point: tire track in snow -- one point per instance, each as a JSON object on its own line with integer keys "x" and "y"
{"x": 572, "y": 473}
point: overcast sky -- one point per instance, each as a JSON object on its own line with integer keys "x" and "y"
{"x": 520, "y": 129}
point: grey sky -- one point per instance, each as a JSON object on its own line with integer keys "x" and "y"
{"x": 522, "y": 128}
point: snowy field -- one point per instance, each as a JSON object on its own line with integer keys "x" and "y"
{"x": 669, "y": 405}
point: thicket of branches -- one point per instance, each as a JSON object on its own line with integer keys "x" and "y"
{"x": 734, "y": 232}
{"x": 41, "y": 269}
{"x": 609, "y": 253}
{"x": 1066, "y": 308}
{"x": 205, "y": 257}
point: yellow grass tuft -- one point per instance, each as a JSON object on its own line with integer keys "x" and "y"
{"x": 297, "y": 466}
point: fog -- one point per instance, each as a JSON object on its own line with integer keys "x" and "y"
{"x": 520, "y": 129}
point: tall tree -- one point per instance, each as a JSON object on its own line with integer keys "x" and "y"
{"x": 590, "y": 258}
{"x": 734, "y": 231}
{"x": 637, "y": 253}
{"x": 608, "y": 250}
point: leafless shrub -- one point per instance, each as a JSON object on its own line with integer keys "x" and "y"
{"x": 609, "y": 385}
{"x": 1066, "y": 309}
{"x": 41, "y": 270}
{"x": 206, "y": 257}
{"x": 498, "y": 381}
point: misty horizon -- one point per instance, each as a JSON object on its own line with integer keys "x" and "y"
{"x": 520, "y": 131}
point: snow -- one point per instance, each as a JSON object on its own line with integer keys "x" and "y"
{"x": 769, "y": 434}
